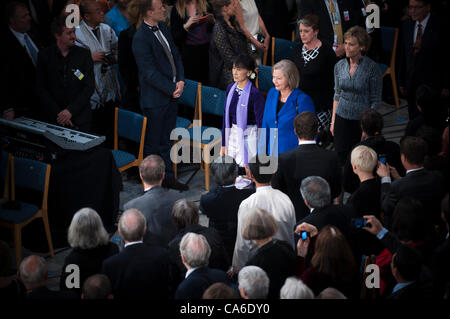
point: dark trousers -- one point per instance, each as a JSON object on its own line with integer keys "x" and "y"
{"x": 160, "y": 122}
{"x": 347, "y": 133}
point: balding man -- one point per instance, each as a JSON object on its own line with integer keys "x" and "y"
{"x": 33, "y": 272}
{"x": 139, "y": 270}
{"x": 97, "y": 287}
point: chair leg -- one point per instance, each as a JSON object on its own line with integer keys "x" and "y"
{"x": 207, "y": 176}
{"x": 394, "y": 88}
{"x": 48, "y": 234}
{"x": 17, "y": 234}
{"x": 174, "y": 162}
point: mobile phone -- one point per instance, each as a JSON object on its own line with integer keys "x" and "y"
{"x": 382, "y": 158}
{"x": 202, "y": 18}
{"x": 359, "y": 222}
{"x": 304, "y": 235}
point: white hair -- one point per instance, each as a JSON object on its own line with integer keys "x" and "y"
{"x": 86, "y": 230}
{"x": 294, "y": 288}
{"x": 33, "y": 271}
{"x": 254, "y": 281}
{"x": 195, "y": 249}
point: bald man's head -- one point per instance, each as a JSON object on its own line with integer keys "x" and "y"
{"x": 33, "y": 272}
{"x": 132, "y": 225}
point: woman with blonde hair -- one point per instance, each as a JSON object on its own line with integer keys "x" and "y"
{"x": 191, "y": 23}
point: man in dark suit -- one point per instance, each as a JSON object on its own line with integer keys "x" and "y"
{"x": 336, "y": 17}
{"x": 195, "y": 252}
{"x": 140, "y": 270}
{"x": 65, "y": 79}
{"x": 161, "y": 78}
{"x": 221, "y": 204}
{"x": 422, "y": 53}
{"x": 426, "y": 186}
{"x": 156, "y": 203}
{"x": 307, "y": 159}
{"x": 18, "y": 65}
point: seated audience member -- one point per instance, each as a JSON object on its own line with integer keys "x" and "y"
{"x": 185, "y": 217}
{"x": 139, "y": 271}
{"x": 9, "y": 288}
{"x": 117, "y": 17}
{"x": 195, "y": 252}
{"x": 317, "y": 198}
{"x": 294, "y": 288}
{"x": 332, "y": 264}
{"x": 371, "y": 125}
{"x": 156, "y": 203}
{"x": 18, "y": 66}
{"x": 271, "y": 200}
{"x": 97, "y": 287}
{"x": 275, "y": 257}
{"x": 221, "y": 204}
{"x": 253, "y": 283}
{"x": 219, "y": 291}
{"x": 441, "y": 257}
{"x": 307, "y": 159}
{"x": 33, "y": 272}
{"x": 330, "y": 293}
{"x": 426, "y": 186}
{"x": 66, "y": 102}
{"x": 365, "y": 199}
{"x": 90, "y": 246}
{"x": 406, "y": 268}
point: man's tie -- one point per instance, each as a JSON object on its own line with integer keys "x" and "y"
{"x": 31, "y": 49}
{"x": 418, "y": 44}
{"x": 336, "y": 21}
{"x": 96, "y": 31}
{"x": 166, "y": 49}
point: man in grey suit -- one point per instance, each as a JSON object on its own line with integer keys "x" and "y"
{"x": 156, "y": 203}
{"x": 161, "y": 78}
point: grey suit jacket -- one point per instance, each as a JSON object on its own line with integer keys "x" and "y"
{"x": 156, "y": 205}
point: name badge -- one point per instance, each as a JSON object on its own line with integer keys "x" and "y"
{"x": 78, "y": 74}
{"x": 346, "y": 16}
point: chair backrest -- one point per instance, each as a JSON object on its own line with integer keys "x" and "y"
{"x": 29, "y": 173}
{"x": 190, "y": 93}
{"x": 211, "y": 101}
{"x": 264, "y": 80}
{"x": 282, "y": 49}
{"x": 129, "y": 124}
{"x": 389, "y": 38}
{"x": 4, "y": 173}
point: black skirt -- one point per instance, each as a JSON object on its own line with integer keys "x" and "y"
{"x": 347, "y": 133}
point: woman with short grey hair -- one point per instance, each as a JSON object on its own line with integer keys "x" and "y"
{"x": 275, "y": 257}
{"x": 294, "y": 288}
{"x": 90, "y": 246}
{"x": 283, "y": 103}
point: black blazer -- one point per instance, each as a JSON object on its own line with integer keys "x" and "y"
{"x": 198, "y": 281}
{"x": 19, "y": 88}
{"x": 139, "y": 271}
{"x": 88, "y": 260}
{"x": 156, "y": 204}
{"x": 59, "y": 88}
{"x": 219, "y": 258}
{"x": 221, "y": 205}
{"x": 366, "y": 199}
{"x": 428, "y": 66}
{"x": 278, "y": 260}
{"x": 155, "y": 71}
{"x": 306, "y": 160}
{"x": 326, "y": 31}
{"x": 426, "y": 186}
{"x": 439, "y": 269}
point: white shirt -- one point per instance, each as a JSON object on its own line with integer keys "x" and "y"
{"x": 424, "y": 25}
{"x": 279, "y": 206}
{"x": 190, "y": 271}
{"x": 250, "y": 13}
{"x": 387, "y": 179}
{"x": 21, "y": 38}
{"x": 133, "y": 243}
{"x": 162, "y": 35}
{"x": 306, "y": 142}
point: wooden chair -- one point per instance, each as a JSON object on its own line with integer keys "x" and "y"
{"x": 282, "y": 49}
{"x": 131, "y": 126}
{"x": 210, "y": 101}
{"x": 389, "y": 39}
{"x": 33, "y": 175}
{"x": 264, "y": 78}
{"x": 188, "y": 98}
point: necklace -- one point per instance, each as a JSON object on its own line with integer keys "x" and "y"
{"x": 309, "y": 55}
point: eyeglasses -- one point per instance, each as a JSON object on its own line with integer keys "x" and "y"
{"x": 415, "y": 7}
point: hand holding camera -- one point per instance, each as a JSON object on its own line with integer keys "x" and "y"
{"x": 372, "y": 224}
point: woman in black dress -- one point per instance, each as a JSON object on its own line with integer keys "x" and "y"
{"x": 315, "y": 62}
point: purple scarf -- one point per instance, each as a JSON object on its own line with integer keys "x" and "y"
{"x": 241, "y": 115}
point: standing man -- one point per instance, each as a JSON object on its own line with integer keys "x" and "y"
{"x": 65, "y": 80}
{"x": 161, "y": 78}
{"x": 101, "y": 40}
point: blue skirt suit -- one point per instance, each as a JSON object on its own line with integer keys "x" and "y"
{"x": 279, "y": 134}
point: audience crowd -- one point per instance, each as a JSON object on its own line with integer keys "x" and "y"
{"x": 307, "y": 228}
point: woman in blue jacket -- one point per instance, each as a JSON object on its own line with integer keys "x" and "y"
{"x": 283, "y": 103}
